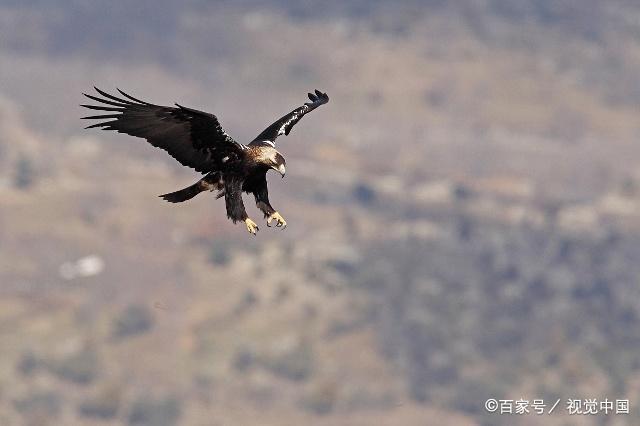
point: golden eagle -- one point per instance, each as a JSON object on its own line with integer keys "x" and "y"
{"x": 196, "y": 139}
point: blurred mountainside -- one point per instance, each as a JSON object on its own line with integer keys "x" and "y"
{"x": 463, "y": 215}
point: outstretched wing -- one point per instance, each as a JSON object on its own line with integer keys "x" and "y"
{"x": 194, "y": 138}
{"x": 284, "y": 125}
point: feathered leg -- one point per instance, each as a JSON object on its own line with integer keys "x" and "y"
{"x": 235, "y": 206}
{"x": 262, "y": 202}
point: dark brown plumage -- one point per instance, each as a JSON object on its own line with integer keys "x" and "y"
{"x": 197, "y": 140}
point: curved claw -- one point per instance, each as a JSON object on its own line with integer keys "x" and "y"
{"x": 252, "y": 227}
{"x": 280, "y": 222}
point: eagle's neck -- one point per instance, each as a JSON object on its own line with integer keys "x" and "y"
{"x": 264, "y": 155}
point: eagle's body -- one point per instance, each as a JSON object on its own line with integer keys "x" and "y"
{"x": 196, "y": 139}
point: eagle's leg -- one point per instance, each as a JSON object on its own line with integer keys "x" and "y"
{"x": 261, "y": 194}
{"x": 271, "y": 214}
{"x": 252, "y": 227}
{"x": 280, "y": 222}
{"x": 235, "y": 206}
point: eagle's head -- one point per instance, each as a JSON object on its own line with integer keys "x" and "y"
{"x": 272, "y": 159}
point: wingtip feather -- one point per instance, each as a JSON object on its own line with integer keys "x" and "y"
{"x": 93, "y": 126}
{"x": 131, "y": 97}
{"x": 120, "y": 104}
{"x": 318, "y": 96}
{"x": 115, "y": 98}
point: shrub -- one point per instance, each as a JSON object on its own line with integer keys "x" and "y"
{"x": 220, "y": 254}
{"x": 295, "y": 363}
{"x": 81, "y": 367}
{"x": 104, "y": 405}
{"x": 134, "y": 320}
{"x": 28, "y": 363}
{"x": 24, "y": 175}
{"x": 40, "y": 404}
{"x": 147, "y": 411}
{"x": 243, "y": 358}
{"x": 364, "y": 194}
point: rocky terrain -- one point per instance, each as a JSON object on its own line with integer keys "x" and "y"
{"x": 463, "y": 216}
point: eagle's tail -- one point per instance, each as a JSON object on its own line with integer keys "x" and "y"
{"x": 184, "y": 194}
{"x": 211, "y": 182}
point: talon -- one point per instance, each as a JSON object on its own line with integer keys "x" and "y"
{"x": 252, "y": 227}
{"x": 280, "y": 222}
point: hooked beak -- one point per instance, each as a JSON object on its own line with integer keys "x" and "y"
{"x": 281, "y": 170}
